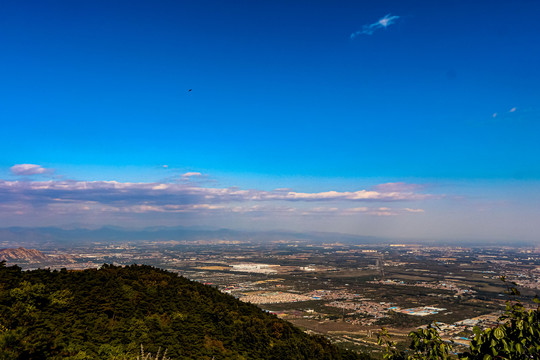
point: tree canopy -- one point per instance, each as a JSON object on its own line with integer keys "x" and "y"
{"x": 108, "y": 313}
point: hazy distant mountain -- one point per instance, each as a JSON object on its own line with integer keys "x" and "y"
{"x": 44, "y": 236}
{"x": 41, "y": 237}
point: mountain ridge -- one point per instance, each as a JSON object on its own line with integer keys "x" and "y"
{"x": 43, "y": 235}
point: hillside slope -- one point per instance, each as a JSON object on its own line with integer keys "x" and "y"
{"x": 22, "y": 254}
{"x": 108, "y": 313}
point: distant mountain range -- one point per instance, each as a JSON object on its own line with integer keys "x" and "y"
{"x": 73, "y": 235}
{"x": 54, "y": 235}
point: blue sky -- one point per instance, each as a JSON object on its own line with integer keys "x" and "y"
{"x": 441, "y": 98}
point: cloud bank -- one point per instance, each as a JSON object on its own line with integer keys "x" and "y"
{"x": 382, "y": 23}
{"x": 70, "y": 196}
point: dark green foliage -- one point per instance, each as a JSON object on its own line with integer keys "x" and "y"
{"x": 109, "y": 313}
{"x": 427, "y": 344}
{"x": 517, "y": 337}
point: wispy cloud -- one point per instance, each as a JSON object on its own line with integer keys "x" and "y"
{"x": 191, "y": 174}
{"x": 414, "y": 210}
{"x": 363, "y": 210}
{"x": 29, "y": 169}
{"x": 382, "y": 23}
{"x": 397, "y": 187}
{"x": 360, "y": 195}
{"x": 192, "y": 177}
{"x": 516, "y": 114}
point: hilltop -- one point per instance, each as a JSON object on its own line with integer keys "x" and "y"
{"x": 22, "y": 254}
{"x": 108, "y": 313}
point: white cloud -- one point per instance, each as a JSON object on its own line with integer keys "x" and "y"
{"x": 65, "y": 196}
{"x": 191, "y": 174}
{"x": 356, "y": 211}
{"x": 361, "y": 195}
{"x": 380, "y": 211}
{"x": 382, "y": 23}
{"x": 28, "y": 169}
{"x": 114, "y": 191}
{"x": 160, "y": 187}
{"x": 414, "y": 210}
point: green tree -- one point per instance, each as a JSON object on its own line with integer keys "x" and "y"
{"x": 517, "y": 337}
{"x": 426, "y": 343}
{"x": 106, "y": 314}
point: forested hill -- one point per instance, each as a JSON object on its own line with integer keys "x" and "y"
{"x": 109, "y": 313}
